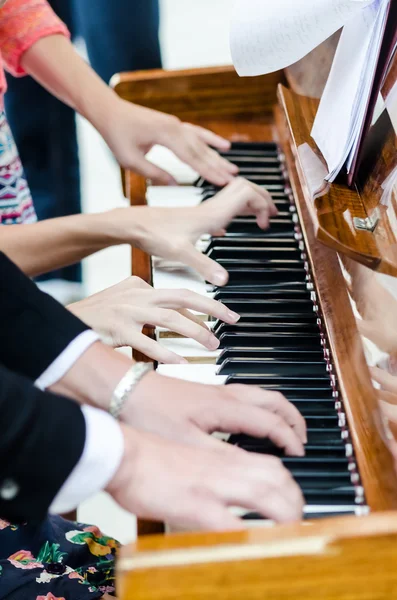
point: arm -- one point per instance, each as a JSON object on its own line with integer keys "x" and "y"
{"x": 170, "y": 233}
{"x": 39, "y": 446}
{"x": 129, "y": 130}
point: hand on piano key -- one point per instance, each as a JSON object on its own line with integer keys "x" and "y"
{"x": 133, "y": 130}
{"x": 119, "y": 314}
{"x": 172, "y": 233}
{"x": 193, "y": 488}
{"x": 187, "y": 412}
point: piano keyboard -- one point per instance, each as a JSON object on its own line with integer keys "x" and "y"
{"x": 279, "y": 343}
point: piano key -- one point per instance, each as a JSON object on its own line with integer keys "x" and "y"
{"x": 255, "y": 253}
{"x": 274, "y": 354}
{"x": 259, "y": 242}
{"x": 249, "y": 226}
{"x": 260, "y": 366}
{"x": 298, "y": 340}
{"x": 255, "y": 276}
{"x": 255, "y": 327}
{"x": 265, "y": 317}
{"x": 268, "y": 177}
{"x": 173, "y": 196}
{"x": 275, "y": 306}
{"x": 297, "y": 293}
{"x": 253, "y": 147}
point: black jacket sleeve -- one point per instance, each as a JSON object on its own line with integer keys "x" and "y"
{"x": 35, "y": 328}
{"x": 42, "y": 439}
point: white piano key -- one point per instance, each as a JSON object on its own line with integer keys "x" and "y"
{"x": 165, "y": 159}
{"x": 173, "y": 196}
{"x": 194, "y": 373}
{"x": 188, "y": 348}
{"x": 178, "y": 277}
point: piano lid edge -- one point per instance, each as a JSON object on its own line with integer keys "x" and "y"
{"x": 335, "y": 209}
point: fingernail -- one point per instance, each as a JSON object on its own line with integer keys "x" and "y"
{"x": 233, "y": 316}
{"x": 220, "y": 278}
{"x": 183, "y": 361}
{"x": 213, "y": 343}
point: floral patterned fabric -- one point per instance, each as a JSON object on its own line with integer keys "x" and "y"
{"x": 57, "y": 560}
{"x": 16, "y": 204}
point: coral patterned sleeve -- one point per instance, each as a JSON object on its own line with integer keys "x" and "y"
{"x": 22, "y": 23}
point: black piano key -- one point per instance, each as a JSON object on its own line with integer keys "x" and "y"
{"x": 242, "y": 264}
{"x": 277, "y": 189}
{"x": 246, "y": 226}
{"x": 253, "y": 147}
{"x": 264, "y": 317}
{"x": 269, "y": 367}
{"x": 251, "y": 241}
{"x": 298, "y": 293}
{"x": 251, "y": 276}
{"x": 272, "y": 354}
{"x": 253, "y": 253}
{"x": 309, "y": 515}
{"x": 274, "y": 306}
{"x": 308, "y": 341}
{"x": 342, "y": 495}
{"x": 261, "y": 327}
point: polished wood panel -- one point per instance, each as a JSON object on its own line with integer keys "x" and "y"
{"x": 333, "y": 208}
{"x": 197, "y": 94}
{"x": 369, "y": 438}
{"x": 337, "y": 559}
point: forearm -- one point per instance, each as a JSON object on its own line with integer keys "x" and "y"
{"x": 55, "y": 64}
{"x": 41, "y": 247}
{"x": 94, "y": 377}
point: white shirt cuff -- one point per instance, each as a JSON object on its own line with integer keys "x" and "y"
{"x": 101, "y": 458}
{"x": 66, "y": 359}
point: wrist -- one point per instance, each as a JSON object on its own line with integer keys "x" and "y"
{"x": 94, "y": 377}
{"x": 124, "y": 225}
{"x": 127, "y": 469}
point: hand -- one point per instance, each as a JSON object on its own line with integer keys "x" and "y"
{"x": 193, "y": 487}
{"x": 134, "y": 130}
{"x": 171, "y": 233}
{"x": 120, "y": 312}
{"x": 187, "y": 412}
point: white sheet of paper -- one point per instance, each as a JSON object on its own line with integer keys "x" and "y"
{"x": 268, "y": 35}
{"x": 342, "y": 108}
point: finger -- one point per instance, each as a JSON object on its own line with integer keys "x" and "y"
{"x": 387, "y": 381}
{"x": 150, "y": 171}
{"x": 239, "y": 198}
{"x": 205, "y": 161}
{"x": 208, "y": 268}
{"x": 174, "y": 321}
{"x": 263, "y": 486}
{"x": 211, "y": 138}
{"x": 212, "y": 515}
{"x": 155, "y": 351}
{"x": 235, "y": 417}
{"x": 196, "y": 319}
{"x": 272, "y": 401}
{"x": 187, "y": 299}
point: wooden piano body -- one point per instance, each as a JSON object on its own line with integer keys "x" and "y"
{"x": 343, "y": 558}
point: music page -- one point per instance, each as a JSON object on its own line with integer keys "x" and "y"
{"x": 268, "y": 35}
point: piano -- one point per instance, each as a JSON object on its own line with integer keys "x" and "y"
{"x": 299, "y": 287}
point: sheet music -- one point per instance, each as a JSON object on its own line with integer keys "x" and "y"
{"x": 344, "y": 102}
{"x": 269, "y": 35}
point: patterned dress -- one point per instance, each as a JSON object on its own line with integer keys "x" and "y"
{"x": 57, "y": 559}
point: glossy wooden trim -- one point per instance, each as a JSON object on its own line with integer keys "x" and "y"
{"x": 336, "y": 559}
{"x": 369, "y": 438}
{"x": 334, "y": 208}
{"x": 196, "y": 94}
